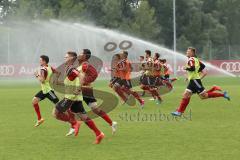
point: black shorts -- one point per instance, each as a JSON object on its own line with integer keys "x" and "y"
{"x": 114, "y": 80}
{"x": 126, "y": 83}
{"x": 117, "y": 81}
{"x": 158, "y": 81}
{"x": 166, "y": 76}
{"x": 88, "y": 96}
{"x": 148, "y": 80}
{"x": 195, "y": 86}
{"x": 141, "y": 79}
{"x": 75, "y": 106}
{"x": 50, "y": 95}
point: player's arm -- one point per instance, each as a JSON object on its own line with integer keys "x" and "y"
{"x": 202, "y": 70}
{"x": 203, "y": 74}
{"x": 41, "y": 77}
{"x": 191, "y": 65}
{"x": 57, "y": 73}
{"x": 123, "y": 67}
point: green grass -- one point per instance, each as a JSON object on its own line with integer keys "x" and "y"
{"x": 212, "y": 133}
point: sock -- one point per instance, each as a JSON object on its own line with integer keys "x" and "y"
{"x": 155, "y": 94}
{"x": 183, "y": 105}
{"x": 102, "y": 114}
{"x": 92, "y": 126}
{"x": 120, "y": 93}
{"x": 145, "y": 88}
{"x": 72, "y": 119}
{"x": 37, "y": 110}
{"x": 211, "y": 90}
{"x": 214, "y": 95}
{"x": 135, "y": 94}
{"x": 126, "y": 90}
{"x": 62, "y": 116}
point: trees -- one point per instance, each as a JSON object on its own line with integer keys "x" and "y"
{"x": 200, "y": 23}
{"x": 144, "y": 22}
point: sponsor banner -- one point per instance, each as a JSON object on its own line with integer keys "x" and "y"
{"x": 231, "y": 66}
{"x": 27, "y": 70}
{"x": 13, "y": 70}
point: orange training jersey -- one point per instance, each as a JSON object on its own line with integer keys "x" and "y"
{"x": 157, "y": 68}
{"x": 149, "y": 67}
{"x": 128, "y": 70}
{"x": 121, "y": 67}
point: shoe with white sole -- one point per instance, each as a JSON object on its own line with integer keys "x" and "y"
{"x": 39, "y": 122}
{"x": 70, "y": 132}
{"x": 114, "y": 127}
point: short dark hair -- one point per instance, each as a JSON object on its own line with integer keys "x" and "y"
{"x": 193, "y": 50}
{"x": 141, "y": 57}
{"x": 72, "y": 54}
{"x": 148, "y": 52}
{"x": 125, "y": 53}
{"x": 118, "y": 56}
{"x": 87, "y": 52}
{"x": 45, "y": 58}
{"x": 157, "y": 55}
{"x": 163, "y": 60}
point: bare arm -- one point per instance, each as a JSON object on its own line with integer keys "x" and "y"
{"x": 40, "y": 76}
{"x": 203, "y": 74}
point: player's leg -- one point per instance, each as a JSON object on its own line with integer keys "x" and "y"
{"x": 154, "y": 90}
{"x": 214, "y": 88}
{"x": 207, "y": 94}
{"x": 184, "y": 103}
{"x": 117, "y": 89}
{"x": 191, "y": 89}
{"x": 52, "y": 97}
{"x": 79, "y": 110}
{"x": 128, "y": 86}
{"x": 66, "y": 116}
{"x": 141, "y": 83}
{"x": 35, "y": 102}
{"x": 145, "y": 86}
{"x": 91, "y": 101}
{"x": 63, "y": 113}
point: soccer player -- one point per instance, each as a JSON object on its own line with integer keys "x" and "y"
{"x": 73, "y": 99}
{"x": 149, "y": 79}
{"x": 194, "y": 69}
{"x": 142, "y": 71}
{"x": 166, "y": 71}
{"x": 116, "y": 78}
{"x": 90, "y": 75}
{"x": 43, "y": 77}
{"x": 125, "y": 70}
{"x": 157, "y": 70}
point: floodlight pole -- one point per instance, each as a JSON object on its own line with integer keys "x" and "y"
{"x": 174, "y": 39}
{"x": 8, "y": 44}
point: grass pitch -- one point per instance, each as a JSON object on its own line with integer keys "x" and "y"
{"x": 210, "y": 129}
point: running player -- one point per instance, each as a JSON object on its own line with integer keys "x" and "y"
{"x": 149, "y": 79}
{"x": 142, "y": 71}
{"x": 157, "y": 70}
{"x": 43, "y": 77}
{"x": 194, "y": 69}
{"x": 116, "y": 78}
{"x": 166, "y": 71}
{"x": 125, "y": 72}
{"x": 72, "y": 98}
{"x": 90, "y": 75}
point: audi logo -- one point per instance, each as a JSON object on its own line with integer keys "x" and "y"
{"x": 111, "y": 46}
{"x": 6, "y": 70}
{"x": 231, "y": 66}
